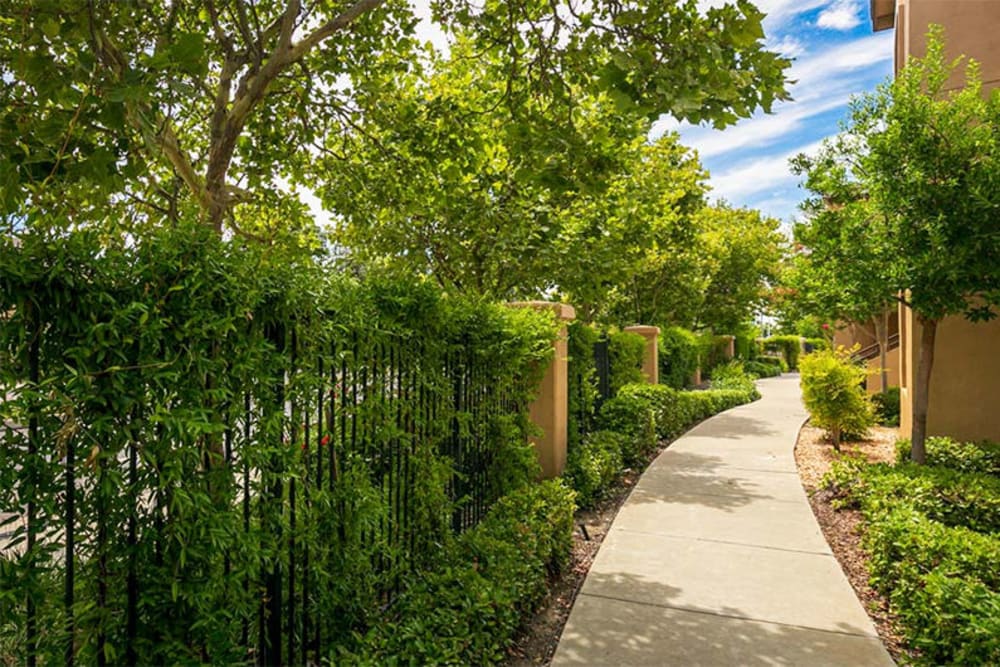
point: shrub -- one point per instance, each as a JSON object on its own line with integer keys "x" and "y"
{"x": 467, "y": 610}
{"x": 814, "y": 344}
{"x": 625, "y": 352}
{"x": 981, "y": 457}
{"x": 732, "y": 376}
{"x": 631, "y": 414}
{"x": 887, "y": 406}
{"x": 712, "y": 352}
{"x": 582, "y": 380}
{"x": 788, "y": 346}
{"x": 746, "y": 344}
{"x": 762, "y": 370}
{"x": 594, "y": 464}
{"x": 933, "y": 541}
{"x": 678, "y": 356}
{"x": 832, "y": 392}
{"x": 662, "y": 402}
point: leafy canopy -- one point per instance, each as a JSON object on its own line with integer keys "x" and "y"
{"x": 149, "y": 112}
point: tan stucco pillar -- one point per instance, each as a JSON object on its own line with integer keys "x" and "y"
{"x": 550, "y": 409}
{"x": 730, "y": 351}
{"x": 651, "y": 355}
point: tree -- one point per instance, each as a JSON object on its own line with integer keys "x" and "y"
{"x": 163, "y": 109}
{"x": 929, "y": 160}
{"x": 625, "y": 253}
{"x": 744, "y": 251}
{"x": 842, "y": 269}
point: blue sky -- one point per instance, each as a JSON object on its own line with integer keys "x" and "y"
{"x": 836, "y": 55}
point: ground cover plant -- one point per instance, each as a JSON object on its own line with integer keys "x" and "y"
{"x": 932, "y": 534}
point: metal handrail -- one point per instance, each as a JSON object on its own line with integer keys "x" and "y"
{"x": 870, "y": 352}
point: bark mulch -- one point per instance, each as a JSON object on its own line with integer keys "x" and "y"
{"x": 814, "y": 455}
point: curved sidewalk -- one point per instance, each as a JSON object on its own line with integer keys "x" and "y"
{"x": 716, "y": 558}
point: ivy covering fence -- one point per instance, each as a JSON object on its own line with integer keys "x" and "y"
{"x": 216, "y": 454}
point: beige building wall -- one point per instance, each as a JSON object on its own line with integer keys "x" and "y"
{"x": 965, "y": 380}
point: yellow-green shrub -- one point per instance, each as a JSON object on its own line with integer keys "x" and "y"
{"x": 832, "y": 392}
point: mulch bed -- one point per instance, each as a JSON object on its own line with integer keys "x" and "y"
{"x": 841, "y": 527}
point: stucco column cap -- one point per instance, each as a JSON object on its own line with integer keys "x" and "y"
{"x": 563, "y": 311}
{"x": 643, "y": 329}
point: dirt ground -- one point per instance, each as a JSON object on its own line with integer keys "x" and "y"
{"x": 814, "y": 456}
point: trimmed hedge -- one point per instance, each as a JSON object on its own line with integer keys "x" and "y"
{"x": 788, "y": 346}
{"x": 467, "y": 611}
{"x": 635, "y": 419}
{"x": 594, "y": 464}
{"x": 762, "y": 370}
{"x": 625, "y": 352}
{"x": 678, "y": 356}
{"x": 933, "y": 536}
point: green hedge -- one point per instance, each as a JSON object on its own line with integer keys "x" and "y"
{"x": 582, "y": 380}
{"x": 625, "y": 353}
{"x": 981, "y": 457}
{"x": 468, "y": 609}
{"x": 634, "y": 420}
{"x": 678, "y": 356}
{"x": 788, "y": 346}
{"x": 203, "y": 361}
{"x": 594, "y": 465}
{"x": 762, "y": 370}
{"x": 933, "y": 537}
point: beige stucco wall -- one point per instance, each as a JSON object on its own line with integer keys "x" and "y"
{"x": 874, "y": 383}
{"x": 965, "y": 379}
{"x": 972, "y": 28}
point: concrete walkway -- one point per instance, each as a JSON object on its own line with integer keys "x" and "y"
{"x": 716, "y": 558}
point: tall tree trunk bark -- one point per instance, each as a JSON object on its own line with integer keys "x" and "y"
{"x": 881, "y": 322}
{"x": 921, "y": 388}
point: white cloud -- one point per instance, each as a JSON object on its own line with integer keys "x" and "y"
{"x": 759, "y": 176}
{"x": 841, "y": 15}
{"x": 788, "y": 46}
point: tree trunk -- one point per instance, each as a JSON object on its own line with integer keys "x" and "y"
{"x": 881, "y": 322}
{"x": 835, "y": 436}
{"x": 921, "y": 388}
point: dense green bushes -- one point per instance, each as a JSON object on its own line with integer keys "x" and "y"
{"x": 468, "y": 609}
{"x": 678, "y": 356}
{"x": 582, "y": 379}
{"x": 625, "y": 350}
{"x": 887, "y": 406}
{"x": 181, "y": 376}
{"x": 933, "y": 537}
{"x": 641, "y": 414}
{"x": 981, "y": 457}
{"x": 762, "y": 370}
{"x": 594, "y": 464}
{"x": 788, "y": 346}
{"x": 832, "y": 392}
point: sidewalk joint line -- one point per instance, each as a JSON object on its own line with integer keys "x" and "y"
{"x": 719, "y": 614}
{"x": 717, "y": 541}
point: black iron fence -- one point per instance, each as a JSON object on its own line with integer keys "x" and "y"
{"x": 225, "y": 520}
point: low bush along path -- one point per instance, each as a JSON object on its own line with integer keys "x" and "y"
{"x": 716, "y": 558}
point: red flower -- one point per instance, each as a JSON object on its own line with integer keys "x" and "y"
{"x": 826, "y": 326}
{"x": 324, "y": 441}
